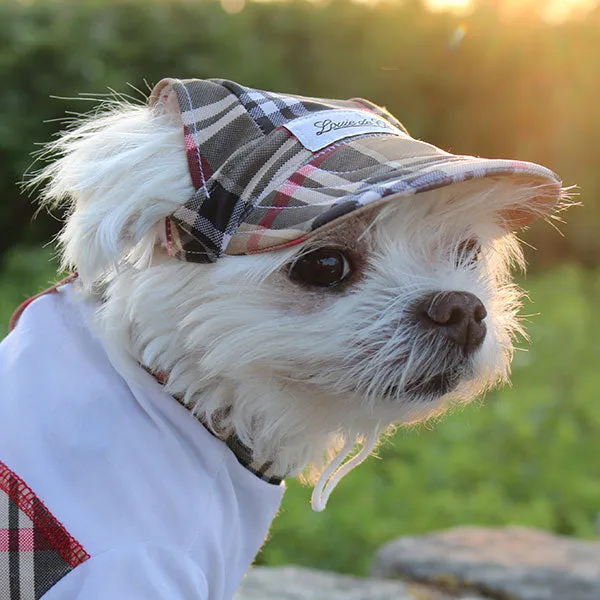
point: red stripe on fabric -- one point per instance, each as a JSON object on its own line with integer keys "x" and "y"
{"x": 44, "y": 521}
{"x": 299, "y": 177}
{"x": 25, "y": 541}
{"x": 14, "y": 319}
{"x": 198, "y": 166}
{"x": 21, "y": 308}
{"x": 323, "y": 154}
{"x": 195, "y": 170}
{"x": 206, "y": 168}
{"x": 253, "y": 247}
{"x": 286, "y": 193}
{"x": 283, "y": 198}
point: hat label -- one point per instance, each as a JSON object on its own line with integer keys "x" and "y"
{"x": 321, "y": 129}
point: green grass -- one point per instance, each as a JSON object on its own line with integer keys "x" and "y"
{"x": 528, "y": 456}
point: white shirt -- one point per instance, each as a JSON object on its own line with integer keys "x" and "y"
{"x": 162, "y": 507}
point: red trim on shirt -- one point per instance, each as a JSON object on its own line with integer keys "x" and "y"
{"x": 48, "y": 525}
{"x": 21, "y": 309}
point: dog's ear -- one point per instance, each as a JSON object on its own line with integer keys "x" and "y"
{"x": 164, "y": 98}
{"x": 121, "y": 172}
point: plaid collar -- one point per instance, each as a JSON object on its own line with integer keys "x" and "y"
{"x": 270, "y": 170}
{"x": 243, "y": 454}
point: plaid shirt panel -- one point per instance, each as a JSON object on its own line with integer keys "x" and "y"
{"x": 35, "y": 549}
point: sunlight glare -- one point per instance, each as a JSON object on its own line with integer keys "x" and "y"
{"x": 457, "y": 36}
{"x": 553, "y": 11}
{"x": 455, "y": 6}
{"x": 557, "y": 11}
{"x": 233, "y": 6}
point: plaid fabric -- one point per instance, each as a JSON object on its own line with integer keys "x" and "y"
{"x": 244, "y": 456}
{"x": 258, "y": 188}
{"x": 35, "y": 549}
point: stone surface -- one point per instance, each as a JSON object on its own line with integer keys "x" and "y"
{"x": 295, "y": 583}
{"x": 514, "y": 563}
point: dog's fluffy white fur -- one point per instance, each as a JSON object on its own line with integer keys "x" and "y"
{"x": 295, "y": 372}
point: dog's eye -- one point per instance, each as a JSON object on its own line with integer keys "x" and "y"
{"x": 469, "y": 252}
{"x": 324, "y": 267}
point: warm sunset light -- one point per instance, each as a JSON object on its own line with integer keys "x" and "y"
{"x": 233, "y": 6}
{"x": 559, "y": 10}
{"x": 458, "y": 6}
{"x": 553, "y": 11}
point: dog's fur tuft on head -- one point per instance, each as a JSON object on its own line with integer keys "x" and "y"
{"x": 295, "y": 370}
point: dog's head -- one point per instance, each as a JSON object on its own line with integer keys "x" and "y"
{"x": 385, "y": 316}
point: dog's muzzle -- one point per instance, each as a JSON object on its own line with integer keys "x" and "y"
{"x": 453, "y": 325}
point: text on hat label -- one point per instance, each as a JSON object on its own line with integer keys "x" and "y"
{"x": 318, "y": 130}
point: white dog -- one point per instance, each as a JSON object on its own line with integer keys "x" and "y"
{"x": 264, "y": 282}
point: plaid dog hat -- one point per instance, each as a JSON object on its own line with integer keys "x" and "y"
{"x": 271, "y": 170}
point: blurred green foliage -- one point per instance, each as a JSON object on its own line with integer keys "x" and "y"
{"x": 529, "y": 456}
{"x": 491, "y": 83}
{"x": 26, "y": 271}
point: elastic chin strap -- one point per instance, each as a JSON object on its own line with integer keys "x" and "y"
{"x": 336, "y": 471}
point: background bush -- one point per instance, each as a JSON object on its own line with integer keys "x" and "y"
{"x": 491, "y": 83}
{"x": 497, "y": 83}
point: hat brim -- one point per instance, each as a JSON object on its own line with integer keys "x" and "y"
{"x": 542, "y": 185}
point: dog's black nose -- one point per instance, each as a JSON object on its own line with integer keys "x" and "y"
{"x": 459, "y": 314}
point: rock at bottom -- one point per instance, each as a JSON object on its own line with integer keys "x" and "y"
{"x": 295, "y": 583}
{"x": 513, "y": 563}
